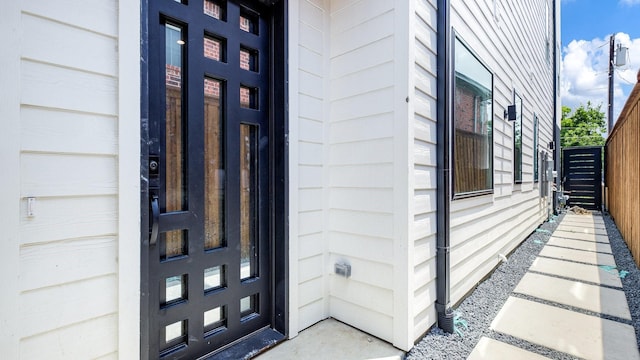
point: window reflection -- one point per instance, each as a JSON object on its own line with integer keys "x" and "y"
{"x": 517, "y": 140}
{"x": 472, "y": 117}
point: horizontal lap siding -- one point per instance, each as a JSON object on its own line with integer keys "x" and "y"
{"x": 68, "y": 117}
{"x": 425, "y": 167}
{"x": 510, "y": 39}
{"x": 311, "y": 74}
{"x": 361, "y": 164}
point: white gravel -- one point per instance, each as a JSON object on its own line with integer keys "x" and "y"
{"x": 481, "y": 307}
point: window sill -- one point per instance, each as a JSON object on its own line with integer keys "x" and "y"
{"x": 472, "y": 194}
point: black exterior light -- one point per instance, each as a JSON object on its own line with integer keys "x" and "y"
{"x": 510, "y": 113}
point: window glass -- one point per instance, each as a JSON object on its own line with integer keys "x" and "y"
{"x": 472, "y": 117}
{"x": 517, "y": 140}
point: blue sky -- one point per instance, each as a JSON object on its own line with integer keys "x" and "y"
{"x": 585, "y": 29}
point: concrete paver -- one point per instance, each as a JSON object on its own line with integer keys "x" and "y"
{"x": 581, "y": 219}
{"x": 583, "y": 256}
{"x": 574, "y": 333}
{"x": 490, "y": 349}
{"x": 582, "y": 229}
{"x": 569, "y": 222}
{"x": 596, "y": 219}
{"x": 583, "y": 272}
{"x": 581, "y": 236}
{"x": 575, "y": 293}
{"x": 580, "y": 244}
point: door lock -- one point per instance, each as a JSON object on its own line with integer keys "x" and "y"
{"x": 154, "y": 164}
{"x": 154, "y": 172}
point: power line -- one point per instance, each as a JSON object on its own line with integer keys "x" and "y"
{"x": 623, "y": 79}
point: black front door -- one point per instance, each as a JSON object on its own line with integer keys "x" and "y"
{"x": 208, "y": 278}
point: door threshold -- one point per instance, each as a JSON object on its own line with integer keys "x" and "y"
{"x": 249, "y": 346}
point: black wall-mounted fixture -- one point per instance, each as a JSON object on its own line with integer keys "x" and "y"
{"x": 510, "y": 113}
{"x": 552, "y": 145}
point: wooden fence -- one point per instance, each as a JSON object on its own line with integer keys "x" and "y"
{"x": 623, "y": 173}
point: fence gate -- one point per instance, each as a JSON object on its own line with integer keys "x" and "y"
{"x": 582, "y": 176}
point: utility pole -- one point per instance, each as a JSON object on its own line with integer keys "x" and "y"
{"x": 611, "y": 51}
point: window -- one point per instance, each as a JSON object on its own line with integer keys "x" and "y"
{"x": 472, "y": 124}
{"x": 517, "y": 140}
{"x": 536, "y": 170}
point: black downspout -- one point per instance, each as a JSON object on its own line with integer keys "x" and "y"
{"x": 443, "y": 268}
{"x": 556, "y": 129}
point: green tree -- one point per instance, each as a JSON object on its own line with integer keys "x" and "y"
{"x": 586, "y": 126}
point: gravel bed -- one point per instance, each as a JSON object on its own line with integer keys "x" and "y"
{"x": 481, "y": 307}
{"x": 624, "y": 261}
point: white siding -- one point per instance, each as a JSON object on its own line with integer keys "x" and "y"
{"x": 348, "y": 159}
{"x": 10, "y": 180}
{"x": 66, "y": 132}
{"x": 309, "y": 76}
{"x": 510, "y": 39}
{"x": 424, "y": 164}
{"x": 349, "y": 156}
{"x": 365, "y": 153}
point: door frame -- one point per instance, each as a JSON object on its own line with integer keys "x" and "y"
{"x": 278, "y": 187}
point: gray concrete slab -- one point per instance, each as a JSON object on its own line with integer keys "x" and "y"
{"x": 592, "y": 214}
{"x": 580, "y": 244}
{"x": 599, "y": 226}
{"x": 581, "y": 272}
{"x": 331, "y": 339}
{"x": 582, "y": 229}
{"x": 574, "y": 333}
{"x": 581, "y": 236}
{"x": 489, "y": 349}
{"x": 596, "y": 218}
{"x": 588, "y": 257}
{"x": 575, "y": 293}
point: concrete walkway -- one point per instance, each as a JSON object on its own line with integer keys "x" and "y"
{"x": 571, "y": 300}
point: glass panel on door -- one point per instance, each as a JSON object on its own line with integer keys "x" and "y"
{"x": 214, "y": 164}
{"x": 248, "y": 200}
{"x": 174, "y": 242}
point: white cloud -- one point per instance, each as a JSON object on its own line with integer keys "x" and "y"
{"x": 630, "y": 2}
{"x": 584, "y": 72}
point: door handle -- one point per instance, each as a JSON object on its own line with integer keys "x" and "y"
{"x": 155, "y": 218}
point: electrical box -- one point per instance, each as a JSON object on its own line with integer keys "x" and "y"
{"x": 621, "y": 56}
{"x": 343, "y": 270}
